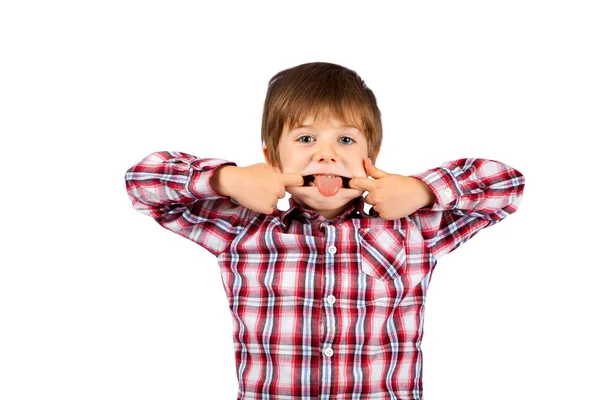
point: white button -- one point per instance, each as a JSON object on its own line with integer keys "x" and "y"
{"x": 332, "y": 249}
{"x": 331, "y": 299}
{"x": 329, "y": 352}
{"x": 306, "y": 215}
{"x": 448, "y": 192}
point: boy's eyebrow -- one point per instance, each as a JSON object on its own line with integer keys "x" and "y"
{"x": 310, "y": 126}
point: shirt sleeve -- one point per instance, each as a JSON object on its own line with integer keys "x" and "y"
{"x": 471, "y": 194}
{"x": 174, "y": 189}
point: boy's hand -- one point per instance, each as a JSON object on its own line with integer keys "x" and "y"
{"x": 393, "y": 196}
{"x": 257, "y": 187}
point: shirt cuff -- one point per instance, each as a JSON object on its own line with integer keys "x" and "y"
{"x": 444, "y": 185}
{"x": 198, "y": 184}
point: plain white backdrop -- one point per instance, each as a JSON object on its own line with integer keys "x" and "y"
{"x": 97, "y": 301}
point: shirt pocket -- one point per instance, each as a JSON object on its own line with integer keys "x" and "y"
{"x": 382, "y": 253}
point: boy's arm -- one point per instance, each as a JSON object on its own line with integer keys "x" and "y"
{"x": 470, "y": 194}
{"x": 176, "y": 189}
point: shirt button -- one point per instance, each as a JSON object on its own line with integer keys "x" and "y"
{"x": 448, "y": 192}
{"x": 332, "y": 249}
{"x": 306, "y": 215}
{"x": 329, "y": 352}
{"x": 331, "y": 299}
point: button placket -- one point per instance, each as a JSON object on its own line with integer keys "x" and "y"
{"x": 331, "y": 250}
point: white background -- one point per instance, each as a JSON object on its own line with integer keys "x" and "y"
{"x": 97, "y": 301}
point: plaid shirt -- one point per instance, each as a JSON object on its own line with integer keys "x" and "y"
{"x": 325, "y": 309}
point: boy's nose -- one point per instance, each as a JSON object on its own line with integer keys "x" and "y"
{"x": 325, "y": 154}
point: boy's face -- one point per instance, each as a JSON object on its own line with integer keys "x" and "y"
{"x": 324, "y": 146}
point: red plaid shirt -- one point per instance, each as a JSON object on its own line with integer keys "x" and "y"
{"x": 325, "y": 309}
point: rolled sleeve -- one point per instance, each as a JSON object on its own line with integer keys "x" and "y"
{"x": 444, "y": 185}
{"x": 201, "y": 171}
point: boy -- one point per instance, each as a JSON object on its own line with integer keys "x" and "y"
{"x": 327, "y": 301}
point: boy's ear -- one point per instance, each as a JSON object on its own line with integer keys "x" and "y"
{"x": 267, "y": 160}
{"x": 375, "y": 159}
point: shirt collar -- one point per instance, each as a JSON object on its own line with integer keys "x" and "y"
{"x": 296, "y": 211}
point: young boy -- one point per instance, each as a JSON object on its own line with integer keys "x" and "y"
{"x": 327, "y": 301}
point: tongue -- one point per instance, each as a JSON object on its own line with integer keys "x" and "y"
{"x": 328, "y": 186}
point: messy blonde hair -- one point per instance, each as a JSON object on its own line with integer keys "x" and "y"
{"x": 322, "y": 90}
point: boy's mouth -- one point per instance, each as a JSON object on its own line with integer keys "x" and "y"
{"x": 309, "y": 180}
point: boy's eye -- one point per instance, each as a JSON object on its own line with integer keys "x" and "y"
{"x": 344, "y": 139}
{"x": 303, "y": 141}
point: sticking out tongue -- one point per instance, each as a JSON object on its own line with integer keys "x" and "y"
{"x": 328, "y": 186}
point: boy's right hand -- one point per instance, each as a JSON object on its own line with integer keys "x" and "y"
{"x": 257, "y": 187}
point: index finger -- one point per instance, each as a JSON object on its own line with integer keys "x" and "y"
{"x": 358, "y": 182}
{"x": 292, "y": 179}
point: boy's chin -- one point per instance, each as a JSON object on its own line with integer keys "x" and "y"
{"x": 311, "y": 196}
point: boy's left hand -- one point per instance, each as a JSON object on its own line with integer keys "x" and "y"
{"x": 393, "y": 196}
